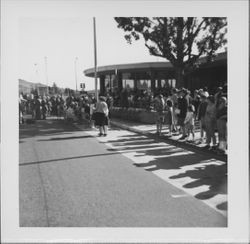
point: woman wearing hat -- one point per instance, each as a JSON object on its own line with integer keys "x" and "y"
{"x": 101, "y": 116}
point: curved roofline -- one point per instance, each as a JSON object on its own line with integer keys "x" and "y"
{"x": 141, "y": 66}
{"x": 130, "y": 66}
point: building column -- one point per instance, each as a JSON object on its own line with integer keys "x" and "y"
{"x": 153, "y": 85}
{"x": 152, "y": 77}
{"x": 119, "y": 78}
{"x": 110, "y": 83}
{"x": 159, "y": 83}
{"x": 135, "y": 81}
{"x": 102, "y": 84}
{"x": 135, "y": 84}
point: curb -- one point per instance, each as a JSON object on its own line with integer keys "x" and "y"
{"x": 171, "y": 141}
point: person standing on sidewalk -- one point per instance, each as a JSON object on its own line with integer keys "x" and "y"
{"x": 201, "y": 117}
{"x": 169, "y": 118}
{"x": 38, "y": 106}
{"x": 196, "y": 102}
{"x": 110, "y": 102}
{"x": 159, "y": 105}
{"x": 221, "y": 115}
{"x": 210, "y": 122}
{"x": 174, "y": 99}
{"x": 182, "y": 106}
{"x": 21, "y": 110}
{"x": 91, "y": 107}
{"x": 101, "y": 116}
{"x": 189, "y": 122}
{"x": 44, "y": 108}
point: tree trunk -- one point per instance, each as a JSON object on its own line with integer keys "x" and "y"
{"x": 179, "y": 77}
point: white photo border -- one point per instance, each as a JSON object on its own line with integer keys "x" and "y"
{"x": 238, "y": 87}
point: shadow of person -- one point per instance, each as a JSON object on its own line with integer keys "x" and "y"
{"x": 214, "y": 176}
{"x": 222, "y": 206}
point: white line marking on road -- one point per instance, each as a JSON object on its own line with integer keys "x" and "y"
{"x": 180, "y": 195}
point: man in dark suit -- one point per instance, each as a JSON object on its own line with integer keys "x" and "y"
{"x": 182, "y": 106}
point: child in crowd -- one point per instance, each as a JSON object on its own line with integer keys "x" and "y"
{"x": 189, "y": 122}
{"x": 169, "y": 116}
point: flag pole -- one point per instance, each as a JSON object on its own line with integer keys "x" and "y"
{"x": 95, "y": 54}
{"x": 46, "y": 73}
{"x": 76, "y": 58}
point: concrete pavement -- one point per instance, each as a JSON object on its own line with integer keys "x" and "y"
{"x": 175, "y": 163}
{"x": 69, "y": 177}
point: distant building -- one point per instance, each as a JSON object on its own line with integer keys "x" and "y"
{"x": 27, "y": 87}
{"x": 42, "y": 89}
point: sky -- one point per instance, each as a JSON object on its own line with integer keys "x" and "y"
{"x": 62, "y": 30}
{"x": 63, "y": 39}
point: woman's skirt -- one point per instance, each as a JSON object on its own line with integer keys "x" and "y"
{"x": 169, "y": 118}
{"x": 100, "y": 119}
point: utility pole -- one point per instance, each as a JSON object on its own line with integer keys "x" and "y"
{"x": 95, "y": 57}
{"x": 46, "y": 74}
{"x": 36, "y": 70}
{"x": 76, "y": 72}
{"x": 37, "y": 77}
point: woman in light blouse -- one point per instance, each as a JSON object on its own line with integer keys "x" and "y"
{"x": 101, "y": 116}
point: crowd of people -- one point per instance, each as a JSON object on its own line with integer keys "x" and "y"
{"x": 70, "y": 108}
{"x": 177, "y": 109}
{"x": 181, "y": 111}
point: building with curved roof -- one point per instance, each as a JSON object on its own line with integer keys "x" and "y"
{"x": 153, "y": 75}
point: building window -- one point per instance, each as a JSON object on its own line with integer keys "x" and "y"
{"x": 163, "y": 83}
{"x": 144, "y": 84}
{"x": 129, "y": 84}
{"x": 127, "y": 81}
{"x": 173, "y": 83}
{"x": 107, "y": 82}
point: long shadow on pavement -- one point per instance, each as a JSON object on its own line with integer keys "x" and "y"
{"x": 67, "y": 158}
{"x": 66, "y": 138}
{"x": 45, "y": 128}
{"x": 210, "y": 173}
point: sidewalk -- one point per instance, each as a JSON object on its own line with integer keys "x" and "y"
{"x": 150, "y": 130}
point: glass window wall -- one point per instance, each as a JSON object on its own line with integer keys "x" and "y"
{"x": 143, "y": 84}
{"x": 127, "y": 81}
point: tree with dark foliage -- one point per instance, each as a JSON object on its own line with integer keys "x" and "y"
{"x": 182, "y": 41}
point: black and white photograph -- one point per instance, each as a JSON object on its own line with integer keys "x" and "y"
{"x": 128, "y": 119}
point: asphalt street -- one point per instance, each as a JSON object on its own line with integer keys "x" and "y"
{"x": 69, "y": 177}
